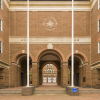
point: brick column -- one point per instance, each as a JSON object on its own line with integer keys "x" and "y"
{"x": 34, "y": 73}
{"x": 64, "y": 74}
{"x": 80, "y": 76}
{"x": 19, "y": 75}
{"x": 85, "y": 74}
{"x": 40, "y": 77}
{"x": 6, "y": 77}
{"x": 59, "y": 79}
{"x": 14, "y": 74}
{"x": 88, "y": 75}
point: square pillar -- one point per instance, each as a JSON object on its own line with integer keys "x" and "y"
{"x": 14, "y": 75}
{"x": 64, "y": 74}
{"x": 86, "y": 81}
{"x": 34, "y": 74}
{"x": 80, "y": 76}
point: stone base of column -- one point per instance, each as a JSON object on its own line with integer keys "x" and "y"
{"x": 72, "y": 91}
{"x": 27, "y": 91}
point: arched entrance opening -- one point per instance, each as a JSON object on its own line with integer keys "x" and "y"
{"x": 78, "y": 62}
{"x": 22, "y": 69}
{"x": 49, "y": 74}
{"x": 47, "y": 58}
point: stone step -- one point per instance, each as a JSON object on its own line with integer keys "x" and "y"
{"x": 2, "y": 91}
{"x": 50, "y": 92}
{"x": 10, "y": 91}
{"x": 89, "y": 91}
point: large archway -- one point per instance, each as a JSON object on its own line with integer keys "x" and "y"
{"x": 79, "y": 68}
{"x": 20, "y": 70}
{"x": 49, "y": 57}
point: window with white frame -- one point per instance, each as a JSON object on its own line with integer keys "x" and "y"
{"x": 98, "y": 4}
{"x": 99, "y": 47}
{"x": 47, "y": 65}
{"x": 0, "y": 24}
{"x": 50, "y": 65}
{"x": 1, "y": 4}
{"x": 98, "y": 25}
{"x": 0, "y": 47}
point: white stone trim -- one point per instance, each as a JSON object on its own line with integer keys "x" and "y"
{"x": 20, "y": 58}
{"x": 50, "y": 6}
{"x": 98, "y": 4}
{"x": 64, "y": 5}
{"x": 93, "y": 4}
{"x": 52, "y": 40}
{"x": 7, "y": 3}
{"x": 86, "y": 63}
{"x": 79, "y": 58}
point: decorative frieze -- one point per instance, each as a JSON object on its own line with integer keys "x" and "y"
{"x": 51, "y": 40}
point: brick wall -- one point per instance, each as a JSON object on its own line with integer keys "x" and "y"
{"x": 95, "y": 13}
{"x": 18, "y": 27}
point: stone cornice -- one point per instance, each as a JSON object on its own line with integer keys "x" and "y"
{"x": 95, "y": 65}
{"x": 3, "y": 64}
{"x": 50, "y": 5}
{"x": 14, "y": 63}
{"x": 86, "y": 63}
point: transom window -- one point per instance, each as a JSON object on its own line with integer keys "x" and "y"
{"x": 99, "y": 47}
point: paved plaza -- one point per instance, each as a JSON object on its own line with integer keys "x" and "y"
{"x": 49, "y": 97}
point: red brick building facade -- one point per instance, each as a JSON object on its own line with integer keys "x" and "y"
{"x": 50, "y": 42}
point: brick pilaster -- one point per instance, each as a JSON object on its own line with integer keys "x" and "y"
{"x": 34, "y": 73}
{"x": 64, "y": 73}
